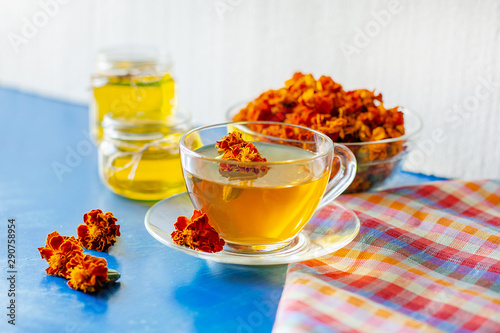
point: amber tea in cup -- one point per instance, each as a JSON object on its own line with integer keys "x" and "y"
{"x": 264, "y": 211}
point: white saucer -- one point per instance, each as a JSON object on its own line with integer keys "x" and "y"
{"x": 330, "y": 229}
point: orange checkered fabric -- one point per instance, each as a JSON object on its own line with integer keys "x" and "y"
{"x": 427, "y": 258}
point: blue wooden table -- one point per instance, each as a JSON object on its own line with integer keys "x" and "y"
{"x": 48, "y": 180}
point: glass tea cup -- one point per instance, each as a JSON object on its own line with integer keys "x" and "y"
{"x": 262, "y": 206}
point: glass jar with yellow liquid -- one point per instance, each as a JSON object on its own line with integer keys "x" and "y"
{"x": 134, "y": 81}
{"x": 139, "y": 157}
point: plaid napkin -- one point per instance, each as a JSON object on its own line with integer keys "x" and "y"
{"x": 427, "y": 258}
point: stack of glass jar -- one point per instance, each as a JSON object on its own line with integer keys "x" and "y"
{"x": 135, "y": 123}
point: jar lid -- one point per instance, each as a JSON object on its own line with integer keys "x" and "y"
{"x": 133, "y": 60}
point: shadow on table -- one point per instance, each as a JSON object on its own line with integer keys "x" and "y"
{"x": 93, "y": 302}
{"x": 240, "y": 298}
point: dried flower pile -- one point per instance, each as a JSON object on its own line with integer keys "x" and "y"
{"x": 345, "y": 116}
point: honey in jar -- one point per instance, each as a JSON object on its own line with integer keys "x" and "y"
{"x": 132, "y": 82}
{"x": 139, "y": 157}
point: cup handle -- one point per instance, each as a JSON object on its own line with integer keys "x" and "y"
{"x": 344, "y": 176}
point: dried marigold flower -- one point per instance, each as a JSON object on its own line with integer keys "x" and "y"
{"x": 99, "y": 231}
{"x": 345, "y": 116}
{"x": 58, "y": 251}
{"x": 232, "y": 139}
{"x": 234, "y": 148}
{"x": 197, "y": 233}
{"x": 89, "y": 274}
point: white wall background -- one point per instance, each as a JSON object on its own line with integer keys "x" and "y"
{"x": 438, "y": 58}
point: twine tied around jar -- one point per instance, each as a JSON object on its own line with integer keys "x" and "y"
{"x": 136, "y": 156}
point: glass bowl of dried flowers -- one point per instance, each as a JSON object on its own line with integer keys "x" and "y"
{"x": 379, "y": 137}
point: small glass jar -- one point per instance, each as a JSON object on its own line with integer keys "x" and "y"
{"x": 131, "y": 80}
{"x": 139, "y": 157}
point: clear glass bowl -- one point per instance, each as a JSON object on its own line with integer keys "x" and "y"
{"x": 377, "y": 161}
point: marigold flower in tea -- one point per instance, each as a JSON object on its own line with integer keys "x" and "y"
{"x": 234, "y": 148}
{"x": 99, "y": 231}
{"x": 59, "y": 251}
{"x": 89, "y": 273}
{"x": 197, "y": 233}
{"x": 231, "y": 139}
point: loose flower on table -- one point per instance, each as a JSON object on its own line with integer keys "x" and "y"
{"x": 66, "y": 258}
{"x": 197, "y": 233}
{"x": 99, "y": 231}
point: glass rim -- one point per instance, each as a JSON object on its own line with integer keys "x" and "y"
{"x": 417, "y": 126}
{"x": 193, "y": 153}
